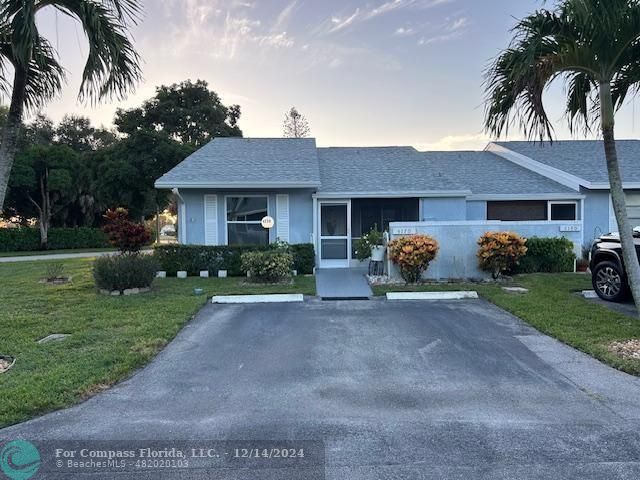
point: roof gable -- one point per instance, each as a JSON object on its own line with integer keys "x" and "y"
{"x": 485, "y": 173}
{"x": 248, "y": 163}
{"x": 581, "y": 161}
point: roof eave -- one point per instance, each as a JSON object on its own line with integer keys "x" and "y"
{"x": 403, "y": 194}
{"x": 233, "y": 185}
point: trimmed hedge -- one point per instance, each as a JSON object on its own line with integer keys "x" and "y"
{"x": 547, "y": 255}
{"x": 27, "y": 239}
{"x": 194, "y": 258}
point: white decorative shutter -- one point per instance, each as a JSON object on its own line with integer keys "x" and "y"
{"x": 211, "y": 220}
{"x": 282, "y": 220}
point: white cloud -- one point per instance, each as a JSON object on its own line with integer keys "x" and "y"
{"x": 404, "y": 32}
{"x": 341, "y": 23}
{"x": 278, "y": 40}
{"x": 284, "y": 16}
{"x": 453, "y": 29}
{"x": 361, "y": 15}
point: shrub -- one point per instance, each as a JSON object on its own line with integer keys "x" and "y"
{"x": 124, "y": 271}
{"x": 304, "y": 258}
{"x": 269, "y": 266}
{"x": 500, "y": 251}
{"x": 53, "y": 271}
{"x": 547, "y": 255}
{"x": 367, "y": 242}
{"x": 194, "y": 258}
{"x": 413, "y": 255}
{"x": 125, "y": 235}
{"x": 25, "y": 239}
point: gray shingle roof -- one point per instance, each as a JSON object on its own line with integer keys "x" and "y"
{"x": 382, "y": 170}
{"x": 582, "y": 158}
{"x": 257, "y": 162}
{"x": 487, "y": 174}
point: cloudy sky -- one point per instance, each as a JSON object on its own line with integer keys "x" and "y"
{"x": 376, "y": 72}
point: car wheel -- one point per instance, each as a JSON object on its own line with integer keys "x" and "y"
{"x": 609, "y": 282}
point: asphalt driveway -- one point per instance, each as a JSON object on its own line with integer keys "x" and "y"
{"x": 395, "y": 390}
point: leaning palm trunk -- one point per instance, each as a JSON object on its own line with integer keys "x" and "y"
{"x": 11, "y": 131}
{"x": 630, "y": 257}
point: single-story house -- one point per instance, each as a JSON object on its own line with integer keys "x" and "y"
{"x": 331, "y": 196}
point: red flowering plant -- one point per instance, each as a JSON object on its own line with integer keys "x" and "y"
{"x": 413, "y": 255}
{"x": 125, "y": 235}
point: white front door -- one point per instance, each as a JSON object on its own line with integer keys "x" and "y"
{"x": 335, "y": 234}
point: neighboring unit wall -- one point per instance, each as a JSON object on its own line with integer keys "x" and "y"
{"x": 476, "y": 210}
{"x": 596, "y": 215}
{"x": 436, "y": 209}
{"x": 458, "y": 242}
{"x": 300, "y": 214}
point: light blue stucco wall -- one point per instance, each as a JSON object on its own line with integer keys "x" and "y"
{"x": 300, "y": 214}
{"x": 436, "y": 209}
{"x": 476, "y": 210}
{"x": 457, "y": 255}
{"x": 596, "y": 214}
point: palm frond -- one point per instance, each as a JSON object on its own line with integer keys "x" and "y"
{"x": 516, "y": 81}
{"x": 582, "y": 102}
{"x": 44, "y": 74}
{"x": 112, "y": 67}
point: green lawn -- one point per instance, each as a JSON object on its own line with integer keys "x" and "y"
{"x": 553, "y": 307}
{"x": 111, "y": 336}
{"x": 52, "y": 252}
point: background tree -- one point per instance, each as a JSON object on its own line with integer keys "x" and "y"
{"x": 594, "y": 47}
{"x": 124, "y": 174}
{"x": 111, "y": 68}
{"x": 77, "y": 133}
{"x": 187, "y": 112}
{"x": 43, "y": 182}
{"x": 295, "y": 125}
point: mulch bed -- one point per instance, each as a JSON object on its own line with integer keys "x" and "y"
{"x": 6, "y": 363}
{"x": 629, "y": 349}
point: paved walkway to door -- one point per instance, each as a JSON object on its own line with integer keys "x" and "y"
{"x": 342, "y": 283}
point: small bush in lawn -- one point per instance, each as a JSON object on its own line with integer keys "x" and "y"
{"x": 54, "y": 271}
{"x": 268, "y": 267}
{"x": 500, "y": 252}
{"x": 125, "y": 271}
{"x": 413, "y": 255}
{"x": 125, "y": 235}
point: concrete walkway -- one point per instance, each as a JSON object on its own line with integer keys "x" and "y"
{"x": 59, "y": 256}
{"x": 342, "y": 284}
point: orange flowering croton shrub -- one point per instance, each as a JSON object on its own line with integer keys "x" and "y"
{"x": 500, "y": 251}
{"x": 413, "y": 255}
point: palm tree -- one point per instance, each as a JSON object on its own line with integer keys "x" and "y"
{"x": 594, "y": 47}
{"x": 112, "y": 66}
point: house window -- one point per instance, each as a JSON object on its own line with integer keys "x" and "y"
{"x": 516, "y": 211}
{"x": 244, "y": 215}
{"x": 563, "y": 211}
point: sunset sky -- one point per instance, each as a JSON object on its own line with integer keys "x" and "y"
{"x": 379, "y": 72}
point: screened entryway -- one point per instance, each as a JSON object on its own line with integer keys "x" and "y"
{"x": 369, "y": 213}
{"x": 341, "y": 223}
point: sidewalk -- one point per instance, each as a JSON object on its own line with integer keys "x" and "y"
{"x": 58, "y": 256}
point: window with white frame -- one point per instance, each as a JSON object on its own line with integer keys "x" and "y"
{"x": 563, "y": 211}
{"x": 532, "y": 210}
{"x": 244, "y": 214}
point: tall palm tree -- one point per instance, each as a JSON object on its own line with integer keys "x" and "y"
{"x": 594, "y": 47}
{"x": 112, "y": 66}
